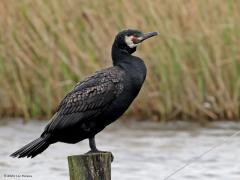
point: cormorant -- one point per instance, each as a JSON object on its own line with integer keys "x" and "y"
{"x": 96, "y": 101}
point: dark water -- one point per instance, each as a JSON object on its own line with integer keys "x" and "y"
{"x": 143, "y": 151}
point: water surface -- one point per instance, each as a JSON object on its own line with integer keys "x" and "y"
{"x": 142, "y": 151}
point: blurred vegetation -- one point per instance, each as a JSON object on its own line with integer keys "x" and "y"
{"x": 193, "y": 65}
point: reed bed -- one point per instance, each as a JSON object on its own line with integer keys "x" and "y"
{"x": 193, "y": 65}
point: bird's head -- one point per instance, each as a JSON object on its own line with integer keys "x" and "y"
{"x": 128, "y": 40}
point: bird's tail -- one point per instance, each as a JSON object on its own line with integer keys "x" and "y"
{"x": 33, "y": 148}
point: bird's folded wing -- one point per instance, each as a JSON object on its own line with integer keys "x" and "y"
{"x": 88, "y": 99}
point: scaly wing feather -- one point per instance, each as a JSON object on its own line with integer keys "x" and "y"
{"x": 88, "y": 99}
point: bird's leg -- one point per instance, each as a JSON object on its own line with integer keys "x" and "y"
{"x": 92, "y": 144}
{"x": 93, "y": 147}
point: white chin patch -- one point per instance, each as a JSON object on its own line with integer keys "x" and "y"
{"x": 129, "y": 42}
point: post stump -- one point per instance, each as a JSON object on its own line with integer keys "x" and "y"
{"x": 92, "y": 166}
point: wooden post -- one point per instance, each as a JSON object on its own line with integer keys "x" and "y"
{"x": 92, "y": 166}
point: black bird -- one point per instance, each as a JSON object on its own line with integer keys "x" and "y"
{"x": 96, "y": 101}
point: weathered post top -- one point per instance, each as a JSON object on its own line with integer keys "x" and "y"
{"x": 92, "y": 166}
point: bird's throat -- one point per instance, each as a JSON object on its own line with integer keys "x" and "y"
{"x": 120, "y": 55}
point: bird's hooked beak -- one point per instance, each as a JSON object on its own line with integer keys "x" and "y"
{"x": 144, "y": 37}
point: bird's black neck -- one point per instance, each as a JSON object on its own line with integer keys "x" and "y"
{"x": 119, "y": 55}
{"x": 132, "y": 64}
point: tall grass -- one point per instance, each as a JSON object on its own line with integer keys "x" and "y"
{"x": 193, "y": 65}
